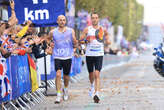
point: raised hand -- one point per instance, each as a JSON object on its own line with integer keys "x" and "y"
{"x": 12, "y": 4}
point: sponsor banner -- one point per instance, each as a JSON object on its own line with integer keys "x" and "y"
{"x": 23, "y": 75}
{"x": 41, "y": 12}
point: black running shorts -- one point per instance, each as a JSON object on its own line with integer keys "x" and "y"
{"x": 94, "y": 62}
{"x": 63, "y": 64}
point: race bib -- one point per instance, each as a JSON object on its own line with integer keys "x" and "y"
{"x": 63, "y": 51}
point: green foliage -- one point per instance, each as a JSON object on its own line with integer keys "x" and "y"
{"x": 127, "y": 13}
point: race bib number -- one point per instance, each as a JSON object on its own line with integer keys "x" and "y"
{"x": 64, "y": 52}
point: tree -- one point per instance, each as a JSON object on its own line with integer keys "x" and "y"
{"x": 127, "y": 13}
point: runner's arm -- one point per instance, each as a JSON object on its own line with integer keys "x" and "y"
{"x": 83, "y": 36}
{"x": 51, "y": 34}
{"x": 106, "y": 35}
{"x": 75, "y": 43}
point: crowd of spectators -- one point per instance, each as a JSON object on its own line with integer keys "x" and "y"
{"x": 19, "y": 39}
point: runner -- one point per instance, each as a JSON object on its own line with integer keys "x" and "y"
{"x": 64, "y": 41}
{"x": 95, "y": 37}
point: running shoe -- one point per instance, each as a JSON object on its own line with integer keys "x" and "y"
{"x": 96, "y": 99}
{"x": 91, "y": 92}
{"x": 65, "y": 94}
{"x": 58, "y": 99}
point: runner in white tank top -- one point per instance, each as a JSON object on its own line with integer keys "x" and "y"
{"x": 94, "y": 47}
{"x": 95, "y": 36}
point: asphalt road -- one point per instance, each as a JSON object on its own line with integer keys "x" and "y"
{"x": 132, "y": 86}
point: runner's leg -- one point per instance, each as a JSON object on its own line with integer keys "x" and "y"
{"x": 66, "y": 70}
{"x": 90, "y": 67}
{"x": 98, "y": 67}
{"x": 58, "y": 68}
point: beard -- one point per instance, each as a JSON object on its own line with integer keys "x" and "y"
{"x": 61, "y": 25}
{"x": 94, "y": 23}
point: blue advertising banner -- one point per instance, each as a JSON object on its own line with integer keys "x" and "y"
{"x": 78, "y": 65}
{"x": 42, "y": 12}
{"x": 70, "y": 14}
{"x": 14, "y": 72}
{"x": 24, "y": 75}
{"x": 82, "y": 19}
{"x": 72, "y": 73}
{"x": 51, "y": 73}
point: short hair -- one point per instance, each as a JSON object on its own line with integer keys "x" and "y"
{"x": 94, "y": 12}
{"x": 61, "y": 16}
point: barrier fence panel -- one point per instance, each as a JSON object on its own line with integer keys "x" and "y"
{"x": 23, "y": 75}
{"x": 17, "y": 80}
{"x": 20, "y": 79}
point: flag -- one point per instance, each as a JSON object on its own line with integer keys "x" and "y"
{"x": 32, "y": 67}
{"x": 5, "y": 42}
{"x": 5, "y": 87}
{"x": 99, "y": 34}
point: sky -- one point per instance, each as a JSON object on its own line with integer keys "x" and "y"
{"x": 154, "y": 11}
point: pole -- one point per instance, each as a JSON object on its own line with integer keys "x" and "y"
{"x": 45, "y": 66}
{"x": 47, "y": 93}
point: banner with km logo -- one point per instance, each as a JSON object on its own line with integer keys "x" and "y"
{"x": 42, "y": 12}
